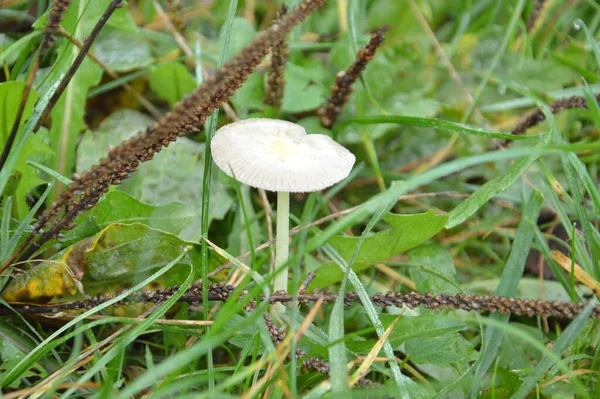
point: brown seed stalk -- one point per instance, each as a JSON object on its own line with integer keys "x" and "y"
{"x": 340, "y": 91}
{"x": 276, "y": 79}
{"x": 538, "y": 116}
{"x": 536, "y": 13}
{"x": 59, "y": 7}
{"x": 221, "y": 292}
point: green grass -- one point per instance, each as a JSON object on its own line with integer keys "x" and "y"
{"x": 415, "y": 127}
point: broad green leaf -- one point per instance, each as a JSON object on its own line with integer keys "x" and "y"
{"x": 489, "y": 190}
{"x": 437, "y": 273}
{"x": 301, "y": 92}
{"x": 120, "y": 207}
{"x": 502, "y": 384}
{"x": 10, "y": 51}
{"x": 407, "y": 232}
{"x": 14, "y": 345}
{"x": 251, "y": 94}
{"x": 171, "y": 82}
{"x": 19, "y": 341}
{"x": 117, "y": 127}
{"x": 407, "y": 328}
{"x": 516, "y": 353}
{"x": 117, "y": 257}
{"x": 242, "y": 33}
{"x": 10, "y": 95}
{"x": 312, "y": 124}
{"x": 122, "y": 50}
{"x": 175, "y": 175}
{"x": 123, "y": 20}
{"x": 127, "y": 253}
{"x": 526, "y": 71}
{"x": 441, "y": 351}
{"x": 511, "y": 275}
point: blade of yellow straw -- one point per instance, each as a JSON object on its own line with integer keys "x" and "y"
{"x": 581, "y": 275}
{"x": 363, "y": 369}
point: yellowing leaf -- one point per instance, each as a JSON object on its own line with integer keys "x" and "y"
{"x": 108, "y": 262}
{"x": 42, "y": 283}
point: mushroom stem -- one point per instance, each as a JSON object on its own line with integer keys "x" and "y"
{"x": 282, "y": 245}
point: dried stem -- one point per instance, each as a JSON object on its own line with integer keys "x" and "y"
{"x": 174, "y": 11}
{"x": 187, "y": 116}
{"x": 340, "y": 91}
{"x": 59, "y": 7}
{"x": 114, "y": 4}
{"x": 138, "y": 96}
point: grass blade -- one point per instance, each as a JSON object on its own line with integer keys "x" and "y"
{"x": 402, "y": 382}
{"x": 34, "y": 355}
{"x": 4, "y": 228}
{"x": 509, "y": 31}
{"x": 24, "y": 132}
{"x": 437, "y": 124}
{"x": 400, "y": 188}
{"x": 590, "y": 38}
{"x": 25, "y": 223}
{"x": 488, "y": 191}
{"x": 210, "y": 128}
{"x": 337, "y": 348}
{"x": 513, "y": 271}
{"x": 560, "y": 345}
{"x": 135, "y": 332}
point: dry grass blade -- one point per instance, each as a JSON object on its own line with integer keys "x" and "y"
{"x": 581, "y": 275}
{"x": 363, "y": 369}
{"x": 282, "y": 349}
{"x": 37, "y": 390}
{"x": 166, "y": 322}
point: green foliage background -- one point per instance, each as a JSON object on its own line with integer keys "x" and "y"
{"x": 450, "y": 81}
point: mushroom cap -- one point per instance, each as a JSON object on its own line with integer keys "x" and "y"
{"x": 277, "y": 155}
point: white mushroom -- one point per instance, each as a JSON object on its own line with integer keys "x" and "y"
{"x": 279, "y": 156}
